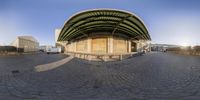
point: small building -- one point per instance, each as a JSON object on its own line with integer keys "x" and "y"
{"x": 26, "y": 44}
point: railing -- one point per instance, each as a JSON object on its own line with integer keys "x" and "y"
{"x": 101, "y": 56}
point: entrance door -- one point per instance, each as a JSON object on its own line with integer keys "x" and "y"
{"x": 133, "y": 47}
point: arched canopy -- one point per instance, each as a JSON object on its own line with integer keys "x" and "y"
{"x": 104, "y": 20}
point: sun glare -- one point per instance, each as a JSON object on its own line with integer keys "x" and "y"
{"x": 185, "y": 44}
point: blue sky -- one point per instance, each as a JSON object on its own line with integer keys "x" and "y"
{"x": 168, "y": 21}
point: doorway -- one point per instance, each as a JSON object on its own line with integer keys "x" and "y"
{"x": 133, "y": 46}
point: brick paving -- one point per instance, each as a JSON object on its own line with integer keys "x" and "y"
{"x": 154, "y": 76}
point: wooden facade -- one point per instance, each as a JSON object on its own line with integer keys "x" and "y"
{"x": 100, "y": 45}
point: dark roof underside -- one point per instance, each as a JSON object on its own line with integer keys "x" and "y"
{"x": 112, "y": 21}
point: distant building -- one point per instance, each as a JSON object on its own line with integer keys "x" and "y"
{"x": 162, "y": 47}
{"x": 26, "y": 43}
{"x": 57, "y": 33}
{"x": 59, "y": 44}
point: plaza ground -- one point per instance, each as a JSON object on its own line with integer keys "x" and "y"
{"x": 153, "y": 76}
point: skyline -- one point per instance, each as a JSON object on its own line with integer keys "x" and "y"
{"x": 168, "y": 22}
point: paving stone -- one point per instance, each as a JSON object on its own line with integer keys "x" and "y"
{"x": 154, "y": 76}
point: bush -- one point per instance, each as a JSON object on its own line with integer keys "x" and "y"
{"x": 196, "y": 48}
{"x": 174, "y": 49}
{"x": 8, "y": 49}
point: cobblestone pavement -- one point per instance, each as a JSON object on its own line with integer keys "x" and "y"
{"x": 154, "y": 76}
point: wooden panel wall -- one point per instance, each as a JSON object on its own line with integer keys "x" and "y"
{"x": 81, "y": 46}
{"x": 120, "y": 46}
{"x": 99, "y": 45}
{"x": 71, "y": 47}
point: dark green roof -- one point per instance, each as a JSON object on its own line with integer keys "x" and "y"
{"x": 104, "y": 20}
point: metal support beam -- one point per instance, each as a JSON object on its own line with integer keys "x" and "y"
{"x": 137, "y": 36}
{"x": 113, "y": 32}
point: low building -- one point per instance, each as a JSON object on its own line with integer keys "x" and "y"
{"x": 103, "y": 32}
{"x": 26, "y": 44}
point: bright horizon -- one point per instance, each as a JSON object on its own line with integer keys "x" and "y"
{"x": 169, "y": 22}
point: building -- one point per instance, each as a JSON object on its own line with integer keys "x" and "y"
{"x": 59, "y": 44}
{"x": 26, "y": 44}
{"x": 103, "y": 32}
{"x": 57, "y": 33}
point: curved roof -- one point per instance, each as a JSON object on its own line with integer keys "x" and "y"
{"x": 104, "y": 20}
